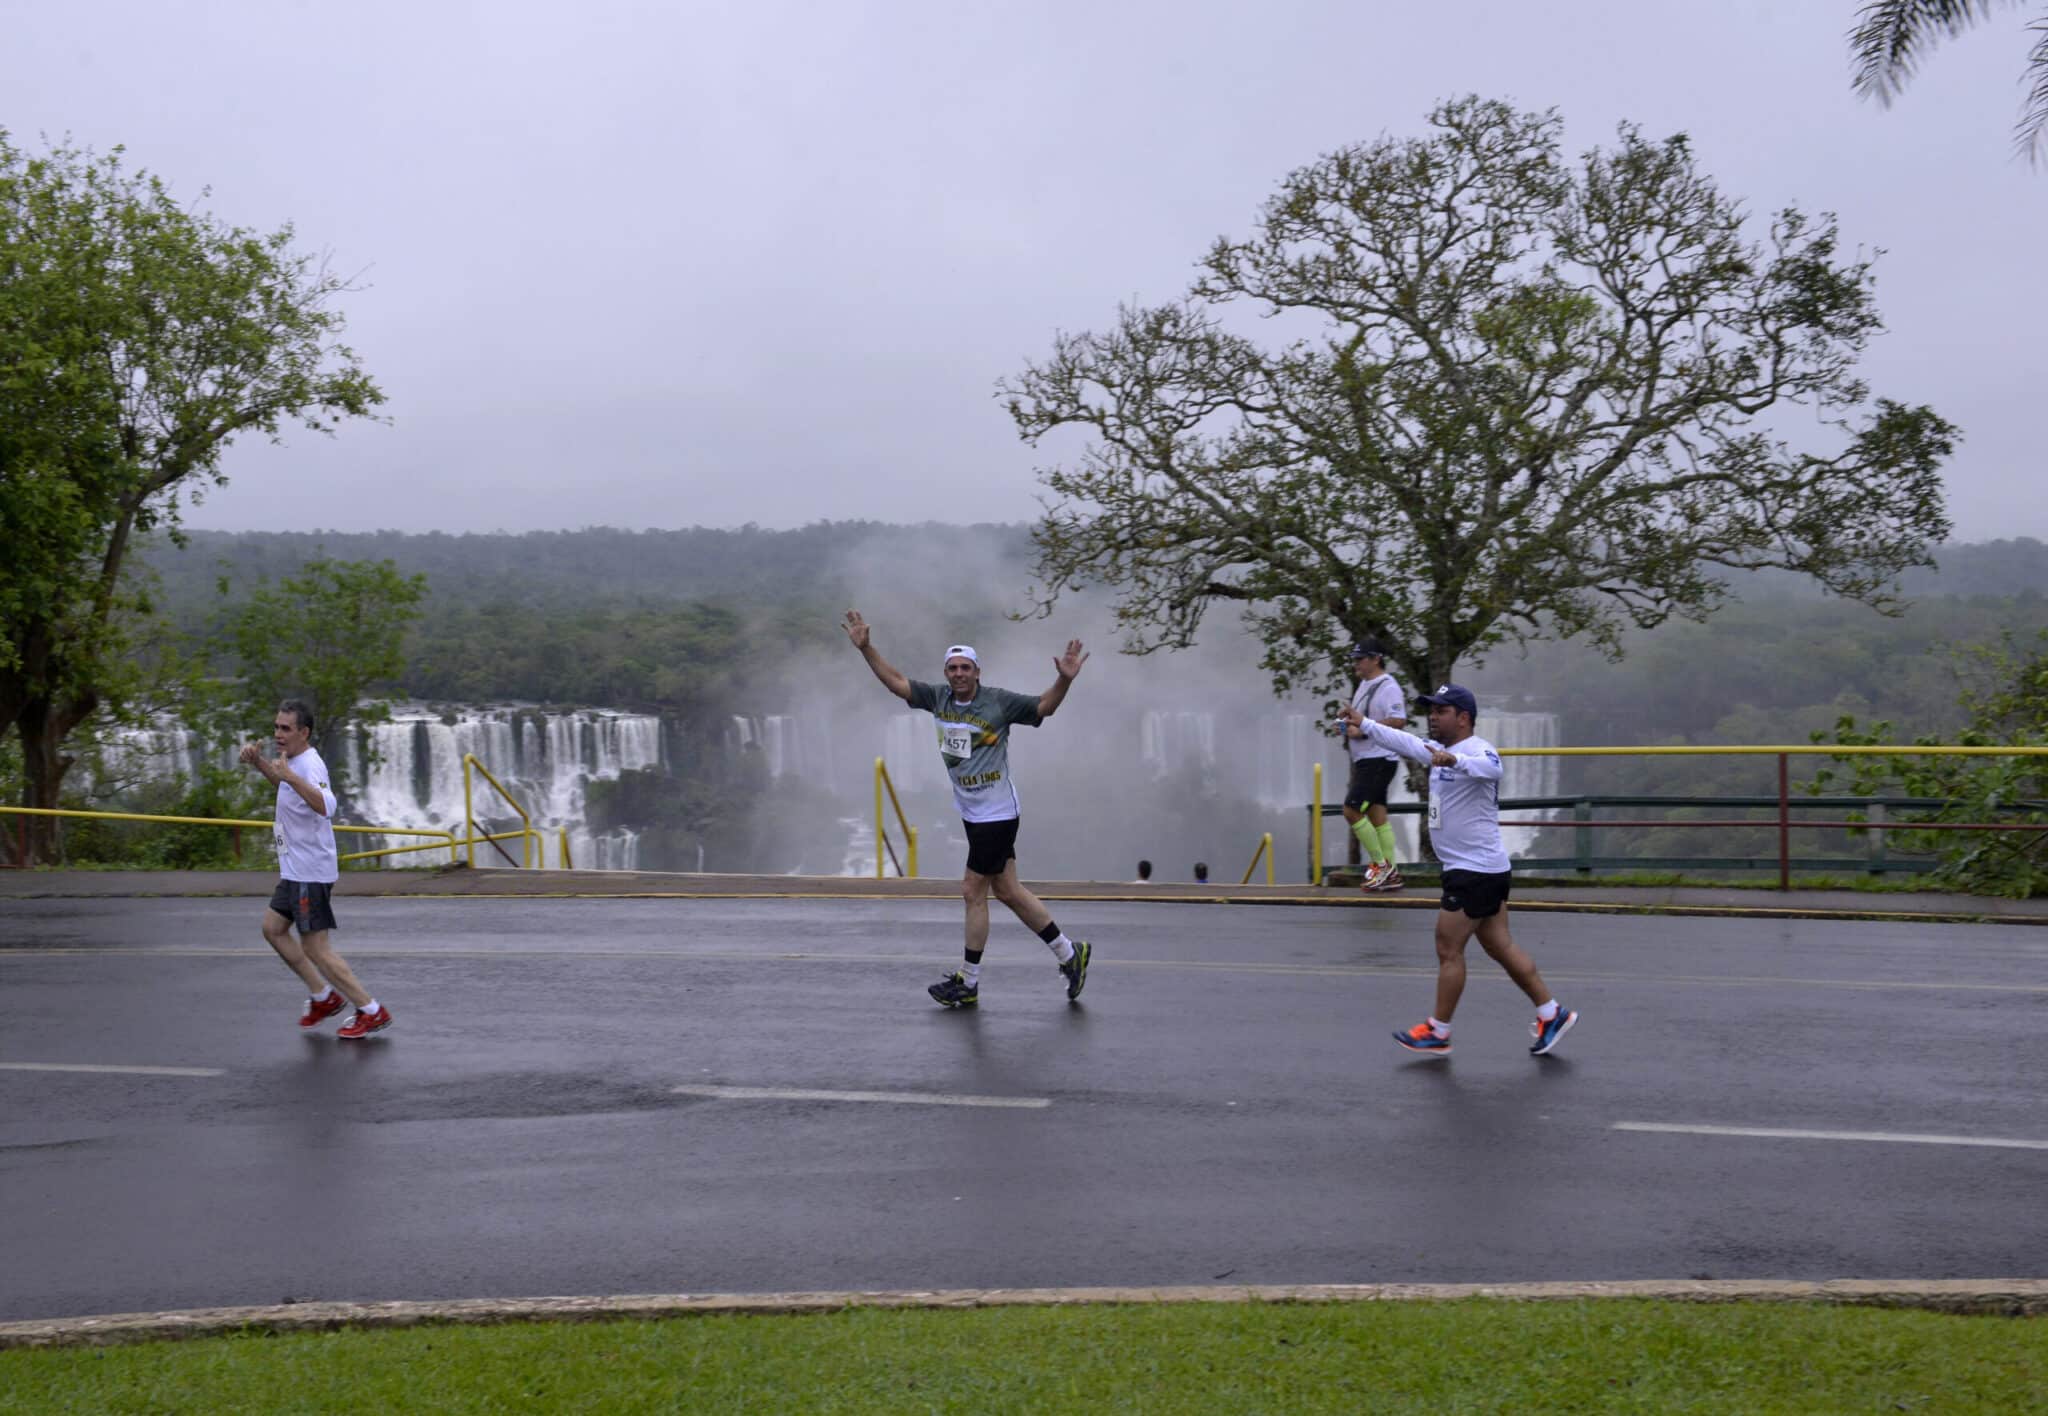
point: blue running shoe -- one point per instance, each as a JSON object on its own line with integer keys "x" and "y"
{"x": 955, "y": 991}
{"x": 1422, "y": 1038}
{"x": 1550, "y": 1034}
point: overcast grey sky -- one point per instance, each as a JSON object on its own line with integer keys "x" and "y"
{"x": 674, "y": 264}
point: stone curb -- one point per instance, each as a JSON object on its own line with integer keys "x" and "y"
{"x": 2005, "y": 1297}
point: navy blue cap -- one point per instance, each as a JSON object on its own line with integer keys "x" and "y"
{"x": 1452, "y": 696}
{"x": 1368, "y": 649}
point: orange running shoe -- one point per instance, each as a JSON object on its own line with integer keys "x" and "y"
{"x": 1422, "y": 1038}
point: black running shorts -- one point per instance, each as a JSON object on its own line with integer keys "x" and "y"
{"x": 1478, "y": 893}
{"x": 1370, "y": 778}
{"x": 991, "y": 845}
{"x": 308, "y": 904}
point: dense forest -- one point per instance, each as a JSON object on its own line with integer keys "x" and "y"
{"x": 701, "y": 617}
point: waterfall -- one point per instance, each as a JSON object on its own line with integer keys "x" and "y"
{"x": 909, "y": 747}
{"x": 1177, "y": 743}
{"x": 785, "y": 743}
{"x": 1520, "y": 777}
{"x": 1287, "y": 747}
{"x": 546, "y": 759}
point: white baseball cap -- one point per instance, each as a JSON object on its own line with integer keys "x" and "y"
{"x": 963, "y": 651}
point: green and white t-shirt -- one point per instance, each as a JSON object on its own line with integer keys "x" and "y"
{"x": 974, "y": 740}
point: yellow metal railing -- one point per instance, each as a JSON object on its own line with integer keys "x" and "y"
{"x": 443, "y": 840}
{"x": 533, "y": 841}
{"x": 1265, "y": 849}
{"x": 1315, "y": 831}
{"x": 907, "y": 868}
{"x": 530, "y": 840}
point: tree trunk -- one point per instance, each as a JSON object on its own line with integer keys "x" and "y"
{"x": 44, "y": 724}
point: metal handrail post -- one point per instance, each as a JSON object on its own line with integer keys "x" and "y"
{"x": 565, "y": 849}
{"x": 1784, "y": 822}
{"x": 468, "y": 813}
{"x": 1877, "y": 846}
{"x": 911, "y": 853}
{"x": 1315, "y": 831}
{"x": 1582, "y": 835}
{"x": 878, "y": 818}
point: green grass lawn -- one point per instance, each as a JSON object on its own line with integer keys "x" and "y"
{"x": 1475, "y": 1355}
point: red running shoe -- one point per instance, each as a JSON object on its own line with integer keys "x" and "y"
{"x": 363, "y": 1024}
{"x": 317, "y": 1012}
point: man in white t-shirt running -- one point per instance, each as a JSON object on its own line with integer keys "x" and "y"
{"x": 1464, "y": 826}
{"x": 974, "y": 739}
{"x": 307, "y": 867}
{"x": 1378, "y": 697}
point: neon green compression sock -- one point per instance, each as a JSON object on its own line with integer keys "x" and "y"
{"x": 1369, "y": 841}
{"x": 1386, "y": 833}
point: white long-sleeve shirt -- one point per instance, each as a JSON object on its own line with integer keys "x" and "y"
{"x": 1464, "y": 799}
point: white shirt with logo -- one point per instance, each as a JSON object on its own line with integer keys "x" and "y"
{"x": 1376, "y": 698}
{"x": 305, "y": 838}
{"x": 1464, "y": 798}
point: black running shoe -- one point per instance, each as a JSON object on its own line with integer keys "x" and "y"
{"x": 1075, "y": 970}
{"x": 955, "y": 991}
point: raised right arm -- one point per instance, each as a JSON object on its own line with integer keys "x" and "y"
{"x": 1407, "y": 745}
{"x": 892, "y": 677}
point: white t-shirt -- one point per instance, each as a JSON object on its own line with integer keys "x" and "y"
{"x": 1376, "y": 698}
{"x": 305, "y": 838}
{"x": 1464, "y": 799}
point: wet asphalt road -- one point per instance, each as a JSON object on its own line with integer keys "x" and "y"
{"x": 1224, "y": 1105}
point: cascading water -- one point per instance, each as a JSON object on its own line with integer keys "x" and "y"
{"x": 547, "y": 759}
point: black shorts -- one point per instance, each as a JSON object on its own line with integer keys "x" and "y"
{"x": 991, "y": 845}
{"x": 308, "y": 904}
{"x": 1478, "y": 893}
{"x": 1370, "y": 778}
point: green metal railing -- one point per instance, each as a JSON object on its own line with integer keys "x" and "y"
{"x": 1788, "y": 814}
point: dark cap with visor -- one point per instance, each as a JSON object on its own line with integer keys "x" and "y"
{"x": 1452, "y": 696}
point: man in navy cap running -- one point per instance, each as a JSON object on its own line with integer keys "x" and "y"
{"x": 1464, "y": 826}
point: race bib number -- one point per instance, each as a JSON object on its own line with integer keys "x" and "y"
{"x": 1436, "y": 806}
{"x": 956, "y": 741}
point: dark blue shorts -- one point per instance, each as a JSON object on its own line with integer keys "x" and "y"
{"x": 308, "y": 904}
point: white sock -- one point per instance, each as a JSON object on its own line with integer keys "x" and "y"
{"x": 369, "y": 1007}
{"x": 323, "y": 995}
{"x": 972, "y": 973}
{"x": 1547, "y": 1011}
{"x": 1441, "y": 1029}
{"x": 1063, "y": 948}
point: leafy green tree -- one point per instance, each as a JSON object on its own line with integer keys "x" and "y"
{"x": 2007, "y": 705}
{"x": 1892, "y": 36}
{"x": 139, "y": 337}
{"x": 328, "y": 635}
{"x": 1517, "y": 399}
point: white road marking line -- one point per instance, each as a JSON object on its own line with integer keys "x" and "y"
{"x": 1772, "y": 1133}
{"x": 106, "y": 1067}
{"x": 1021, "y": 1103}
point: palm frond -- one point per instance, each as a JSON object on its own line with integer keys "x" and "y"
{"x": 1891, "y": 37}
{"x": 2031, "y": 137}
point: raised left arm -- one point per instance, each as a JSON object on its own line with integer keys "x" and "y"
{"x": 1066, "y": 666}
